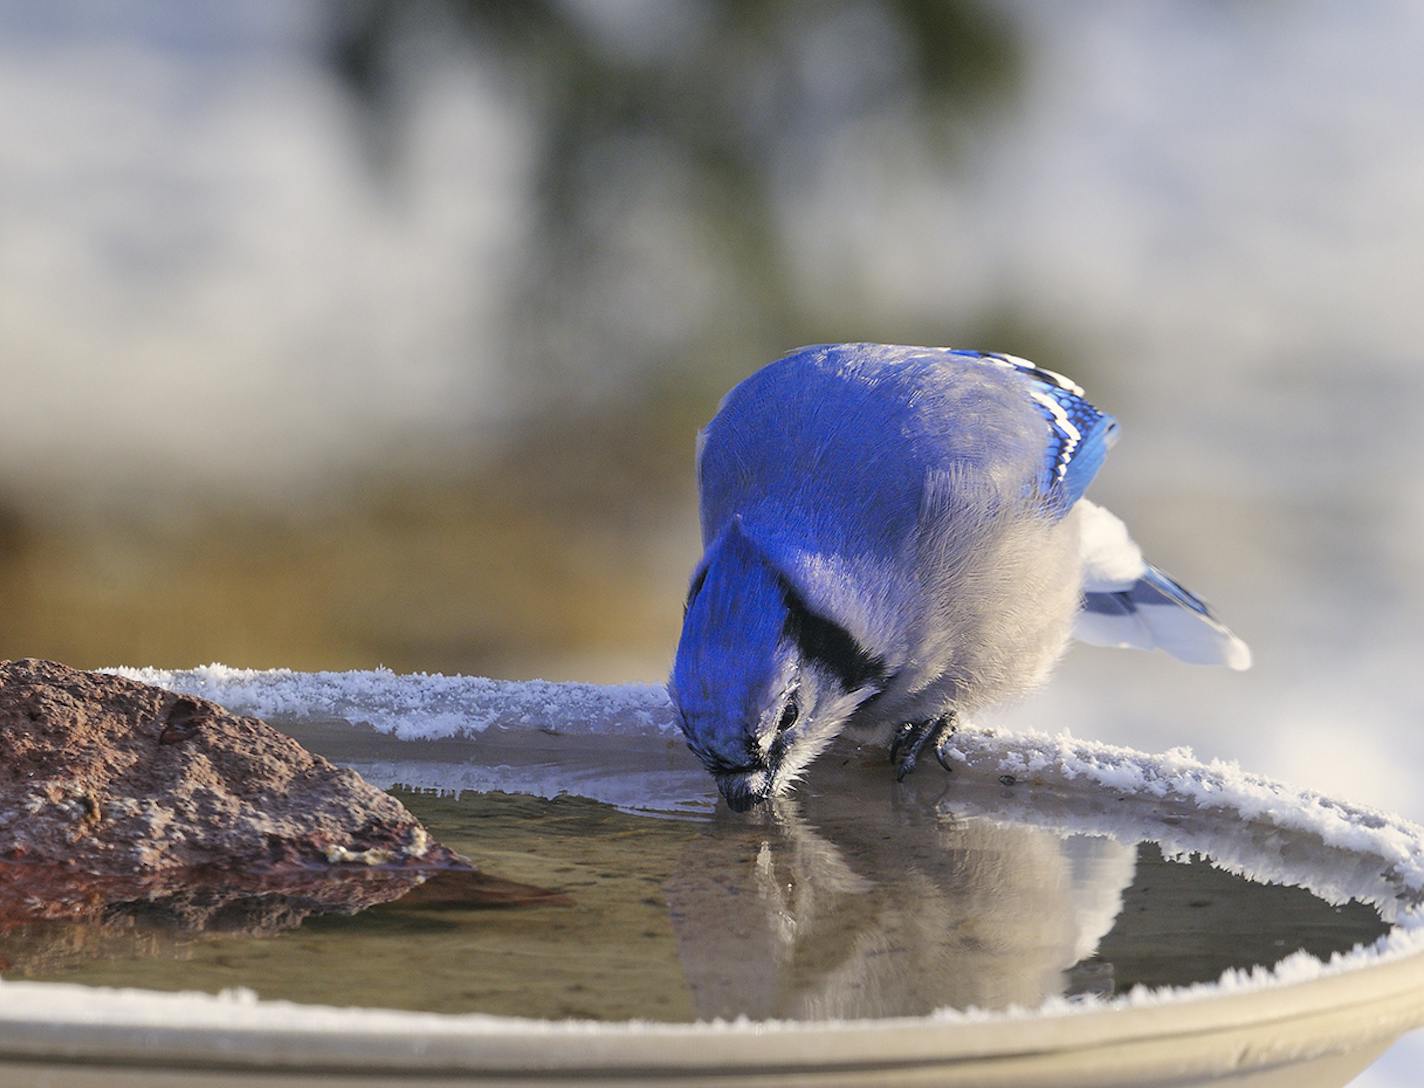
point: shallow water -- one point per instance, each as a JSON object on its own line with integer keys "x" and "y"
{"x": 857, "y": 898}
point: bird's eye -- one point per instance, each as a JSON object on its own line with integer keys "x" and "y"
{"x": 789, "y": 713}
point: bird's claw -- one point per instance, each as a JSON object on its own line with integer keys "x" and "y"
{"x": 910, "y": 740}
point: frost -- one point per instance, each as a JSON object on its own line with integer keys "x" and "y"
{"x": 1217, "y": 786}
{"x": 415, "y": 706}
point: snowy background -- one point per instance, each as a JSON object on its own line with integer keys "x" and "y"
{"x": 342, "y": 334}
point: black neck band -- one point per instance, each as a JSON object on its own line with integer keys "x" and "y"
{"x": 829, "y": 644}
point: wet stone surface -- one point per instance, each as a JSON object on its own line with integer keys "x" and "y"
{"x": 105, "y": 776}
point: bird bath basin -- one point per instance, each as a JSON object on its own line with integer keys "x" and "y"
{"x": 1054, "y": 913}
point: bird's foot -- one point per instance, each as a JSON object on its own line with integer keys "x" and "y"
{"x": 948, "y": 726}
{"x": 911, "y": 738}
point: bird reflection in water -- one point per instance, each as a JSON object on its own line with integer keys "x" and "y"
{"x": 841, "y": 902}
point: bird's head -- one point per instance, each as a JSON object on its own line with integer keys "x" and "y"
{"x": 762, "y": 682}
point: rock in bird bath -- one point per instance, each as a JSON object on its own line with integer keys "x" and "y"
{"x": 111, "y": 778}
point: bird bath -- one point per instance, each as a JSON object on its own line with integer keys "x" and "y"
{"x": 1055, "y": 913}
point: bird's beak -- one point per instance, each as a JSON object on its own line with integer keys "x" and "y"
{"x": 744, "y": 789}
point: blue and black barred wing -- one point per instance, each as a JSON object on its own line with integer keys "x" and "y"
{"x": 1128, "y": 602}
{"x": 1157, "y": 612}
{"x": 1078, "y": 434}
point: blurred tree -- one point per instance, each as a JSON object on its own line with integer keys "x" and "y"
{"x": 695, "y": 122}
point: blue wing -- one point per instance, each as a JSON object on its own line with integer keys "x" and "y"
{"x": 1079, "y": 435}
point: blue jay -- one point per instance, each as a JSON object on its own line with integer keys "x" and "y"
{"x": 895, "y": 537}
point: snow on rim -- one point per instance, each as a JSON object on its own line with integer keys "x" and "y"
{"x": 428, "y": 706}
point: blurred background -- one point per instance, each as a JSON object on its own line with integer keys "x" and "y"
{"x": 378, "y": 331}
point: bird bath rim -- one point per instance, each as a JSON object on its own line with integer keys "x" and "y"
{"x": 1299, "y": 1010}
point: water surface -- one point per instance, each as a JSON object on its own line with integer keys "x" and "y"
{"x": 857, "y": 898}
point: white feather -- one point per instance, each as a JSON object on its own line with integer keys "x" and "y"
{"x": 1126, "y": 632}
{"x": 1112, "y": 562}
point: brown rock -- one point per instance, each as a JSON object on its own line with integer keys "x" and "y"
{"x": 109, "y": 776}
